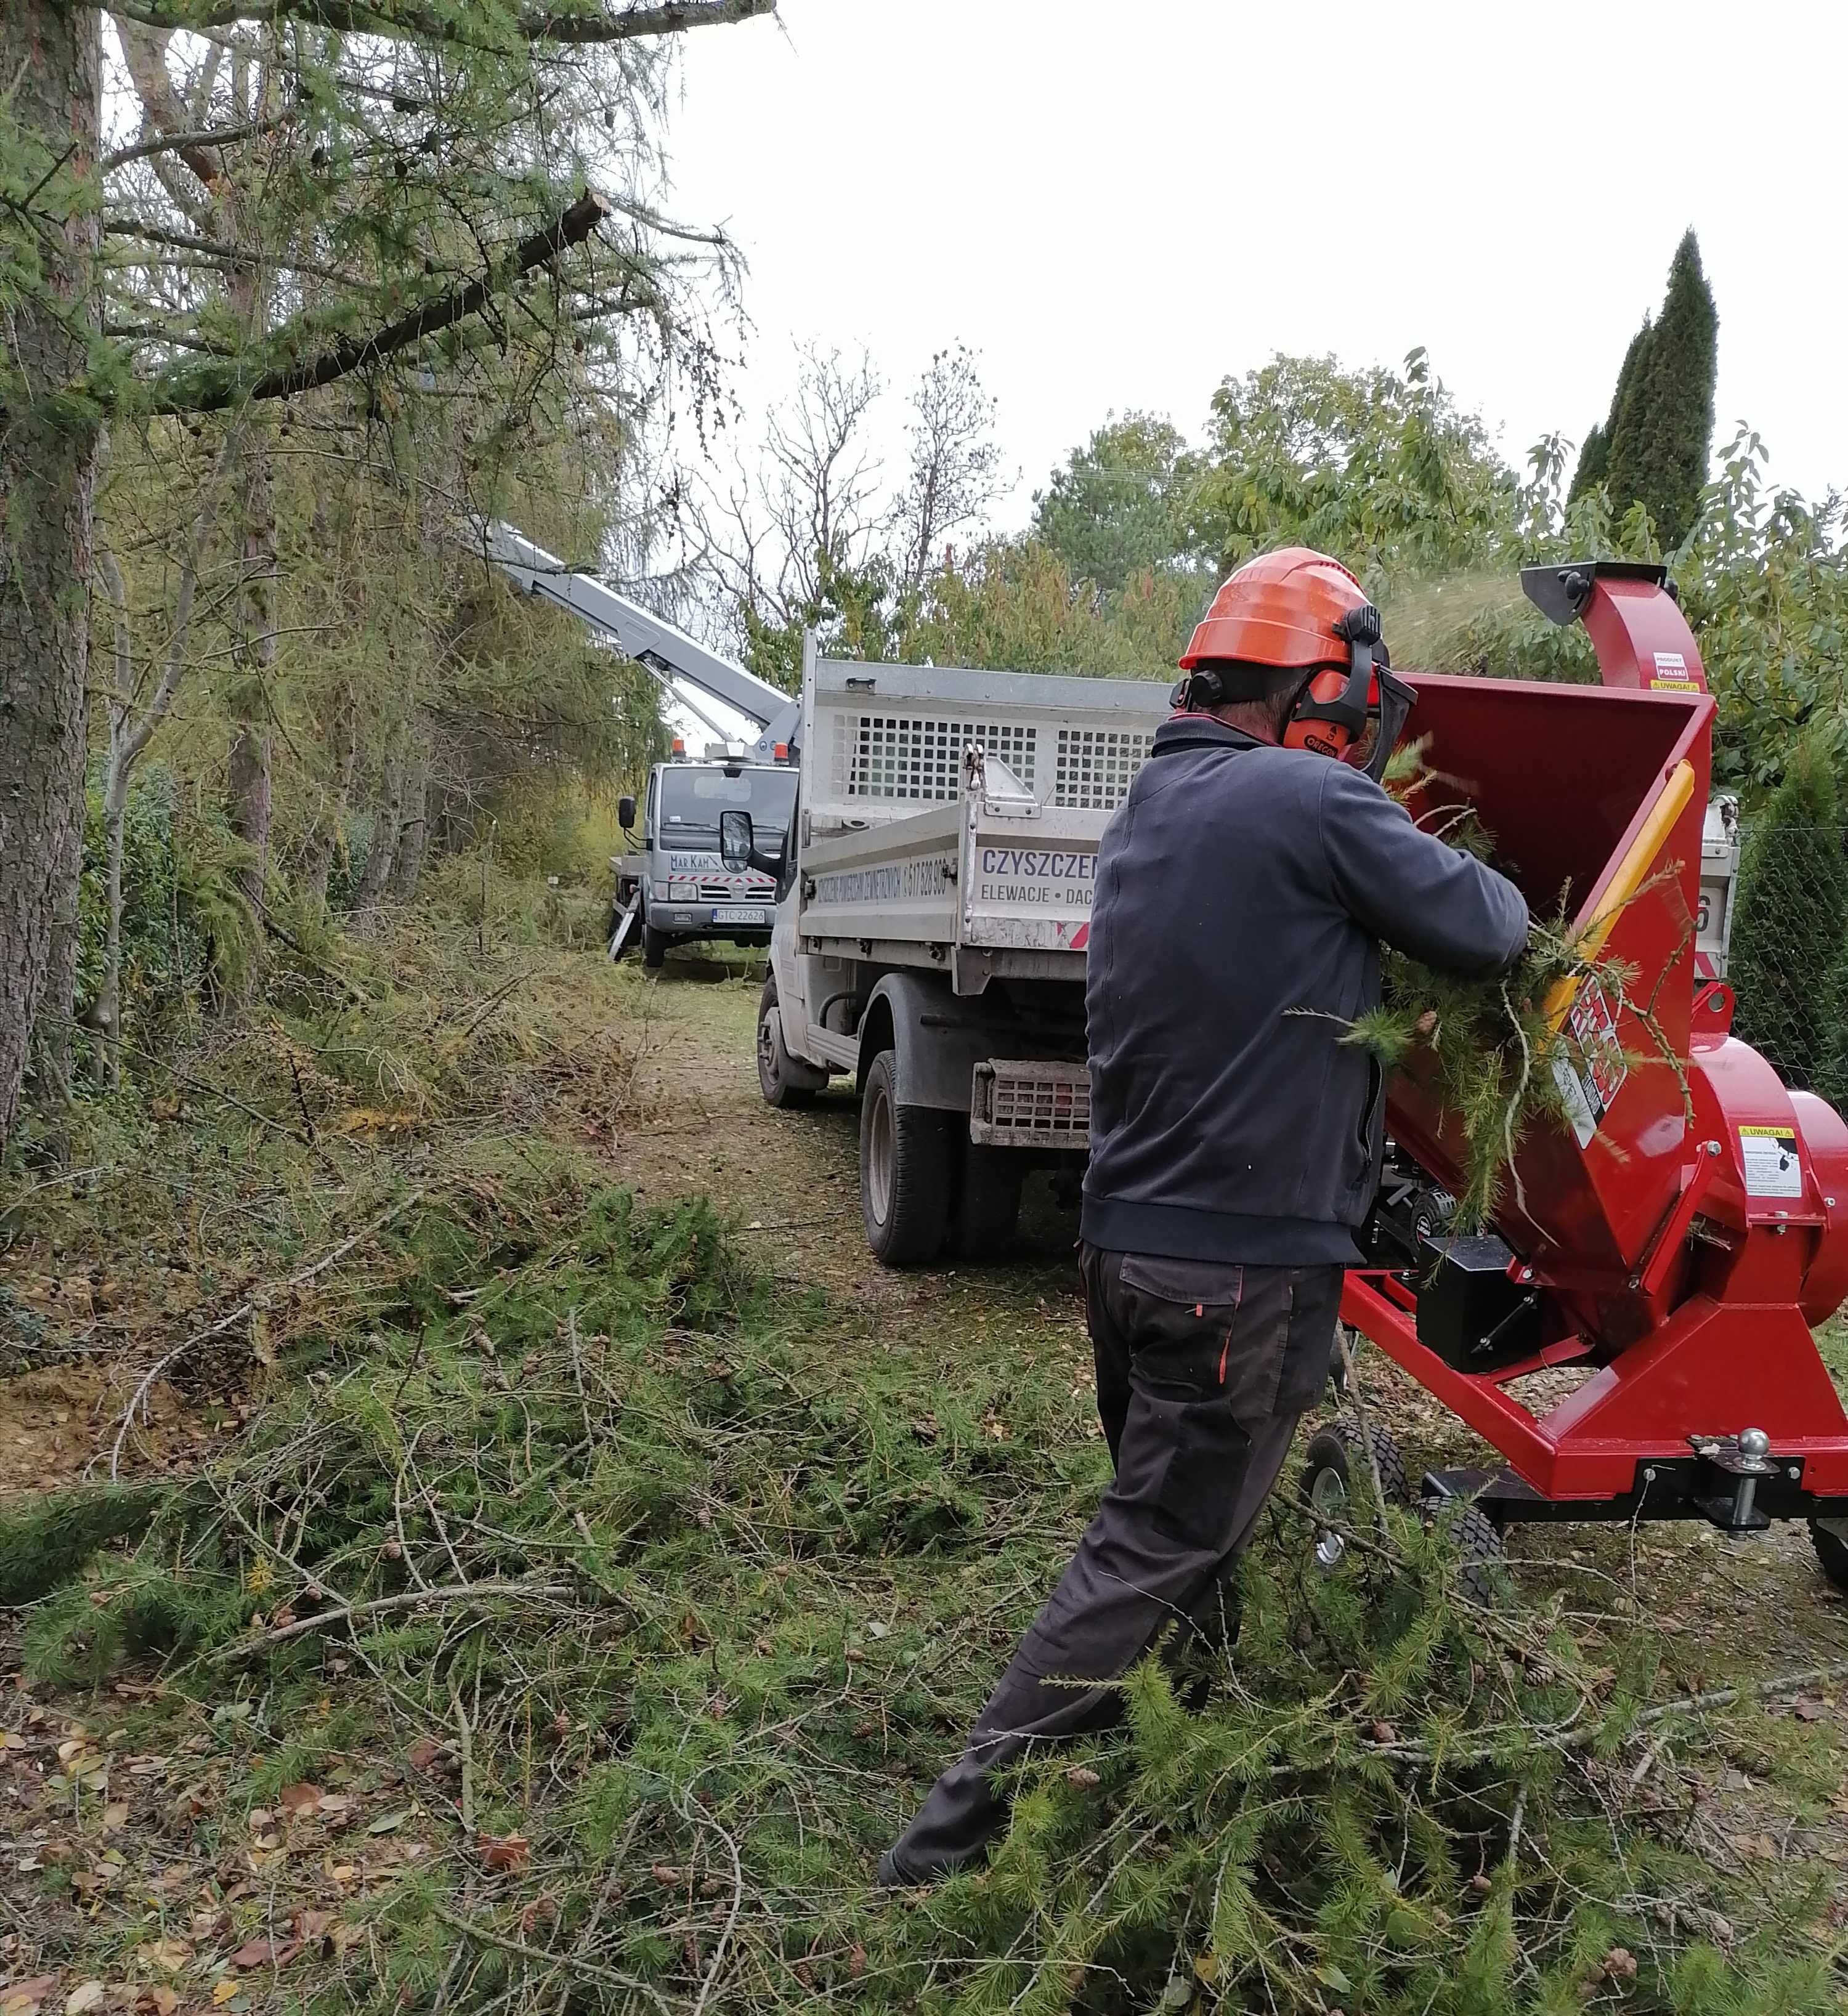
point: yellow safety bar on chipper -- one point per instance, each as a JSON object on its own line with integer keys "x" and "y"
{"x": 1632, "y": 872}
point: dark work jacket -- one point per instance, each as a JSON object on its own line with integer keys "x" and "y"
{"x": 1242, "y": 892}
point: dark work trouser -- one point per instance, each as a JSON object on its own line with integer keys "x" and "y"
{"x": 1203, "y": 1371}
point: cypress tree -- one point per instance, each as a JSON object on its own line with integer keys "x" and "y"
{"x": 1594, "y": 457}
{"x": 1659, "y": 439}
{"x": 1791, "y": 920}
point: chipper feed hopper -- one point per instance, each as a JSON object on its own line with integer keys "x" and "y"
{"x": 1673, "y": 1247}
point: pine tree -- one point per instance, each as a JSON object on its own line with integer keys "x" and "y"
{"x": 1594, "y": 457}
{"x": 1791, "y": 920}
{"x": 1659, "y": 439}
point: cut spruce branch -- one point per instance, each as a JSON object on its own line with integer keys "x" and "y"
{"x": 588, "y": 24}
{"x": 410, "y": 1598}
{"x": 352, "y": 354}
{"x": 244, "y": 1310}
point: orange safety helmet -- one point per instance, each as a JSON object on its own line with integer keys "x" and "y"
{"x": 1297, "y": 610}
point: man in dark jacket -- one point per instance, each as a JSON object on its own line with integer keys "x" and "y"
{"x": 1243, "y": 890}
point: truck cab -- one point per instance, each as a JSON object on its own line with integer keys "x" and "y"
{"x": 672, "y": 886}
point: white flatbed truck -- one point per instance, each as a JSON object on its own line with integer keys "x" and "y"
{"x": 931, "y": 936}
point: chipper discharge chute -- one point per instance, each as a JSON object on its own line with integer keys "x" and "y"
{"x": 1675, "y": 1244}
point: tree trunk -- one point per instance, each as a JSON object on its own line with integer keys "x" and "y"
{"x": 49, "y": 67}
{"x": 248, "y": 779}
{"x": 414, "y": 831}
{"x": 384, "y": 850}
{"x": 108, "y": 1012}
{"x": 318, "y": 851}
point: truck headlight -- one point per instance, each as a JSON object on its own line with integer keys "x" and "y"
{"x": 659, "y": 891}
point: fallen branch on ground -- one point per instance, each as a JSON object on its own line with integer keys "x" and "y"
{"x": 410, "y": 1598}
{"x": 244, "y": 1310}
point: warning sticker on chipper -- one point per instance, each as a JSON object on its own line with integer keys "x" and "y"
{"x": 1772, "y": 1167}
{"x": 1672, "y": 674}
{"x": 1589, "y": 1067}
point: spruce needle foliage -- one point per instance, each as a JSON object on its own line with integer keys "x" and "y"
{"x": 593, "y": 1524}
{"x": 45, "y": 1540}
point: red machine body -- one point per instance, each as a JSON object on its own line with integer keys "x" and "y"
{"x": 1679, "y": 1241}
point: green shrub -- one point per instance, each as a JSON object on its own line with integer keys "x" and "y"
{"x": 1791, "y": 920}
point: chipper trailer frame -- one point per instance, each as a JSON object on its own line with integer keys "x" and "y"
{"x": 1675, "y": 1246}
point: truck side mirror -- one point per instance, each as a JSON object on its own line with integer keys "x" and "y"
{"x": 736, "y": 841}
{"x": 625, "y": 812}
{"x": 738, "y": 848}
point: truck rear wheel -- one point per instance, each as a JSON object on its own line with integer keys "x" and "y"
{"x": 987, "y": 1212}
{"x": 906, "y": 1162}
{"x": 784, "y": 1080}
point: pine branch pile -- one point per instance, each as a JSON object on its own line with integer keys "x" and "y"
{"x": 675, "y": 1623}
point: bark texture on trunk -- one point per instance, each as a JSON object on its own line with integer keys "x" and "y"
{"x": 317, "y": 850}
{"x": 413, "y": 830}
{"x": 249, "y": 778}
{"x": 386, "y": 817}
{"x": 49, "y": 66}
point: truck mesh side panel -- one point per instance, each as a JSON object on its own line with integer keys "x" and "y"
{"x": 1096, "y": 765}
{"x": 920, "y": 759}
{"x": 1019, "y": 1103}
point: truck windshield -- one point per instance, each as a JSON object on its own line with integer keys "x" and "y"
{"x": 692, "y": 796}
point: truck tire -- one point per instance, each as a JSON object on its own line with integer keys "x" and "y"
{"x": 654, "y": 948}
{"x": 906, "y": 1164}
{"x": 784, "y": 1080}
{"x": 987, "y": 1213}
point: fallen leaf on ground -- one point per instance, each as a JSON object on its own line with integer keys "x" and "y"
{"x": 509, "y": 1852}
{"x": 388, "y": 1823}
{"x": 299, "y": 1799}
{"x": 24, "y": 1996}
{"x": 88, "y": 1994}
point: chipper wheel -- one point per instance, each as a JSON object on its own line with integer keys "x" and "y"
{"x": 1482, "y": 1567}
{"x": 1831, "y": 1538}
{"x": 1335, "y": 1466}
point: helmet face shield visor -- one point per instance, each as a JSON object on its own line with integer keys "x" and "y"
{"x": 1390, "y": 705}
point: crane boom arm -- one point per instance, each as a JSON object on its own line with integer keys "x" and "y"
{"x": 668, "y": 653}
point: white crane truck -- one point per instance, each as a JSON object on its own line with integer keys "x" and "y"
{"x": 674, "y": 888}
{"x": 931, "y": 938}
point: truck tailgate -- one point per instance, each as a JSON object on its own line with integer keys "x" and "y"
{"x": 1029, "y": 882}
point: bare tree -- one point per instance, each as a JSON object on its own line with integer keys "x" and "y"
{"x": 956, "y": 461}
{"x": 817, "y": 518}
{"x": 812, "y": 510}
{"x": 134, "y": 714}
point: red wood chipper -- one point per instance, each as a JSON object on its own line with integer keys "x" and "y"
{"x": 1675, "y": 1246}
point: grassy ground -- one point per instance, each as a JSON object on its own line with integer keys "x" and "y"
{"x": 561, "y": 1597}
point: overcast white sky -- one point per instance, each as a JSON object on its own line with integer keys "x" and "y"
{"x": 1117, "y": 204}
